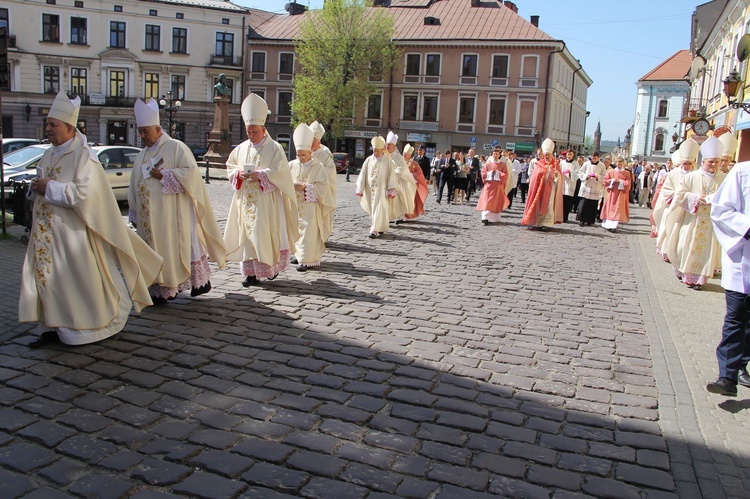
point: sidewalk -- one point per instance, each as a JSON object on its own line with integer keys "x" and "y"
{"x": 444, "y": 359}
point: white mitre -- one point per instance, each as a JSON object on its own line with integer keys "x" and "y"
{"x": 408, "y": 149}
{"x": 303, "y": 137}
{"x": 730, "y": 144}
{"x": 548, "y": 146}
{"x": 146, "y": 113}
{"x": 712, "y": 148}
{"x": 317, "y": 129}
{"x": 392, "y": 138}
{"x": 689, "y": 150}
{"x": 254, "y": 110}
{"x": 64, "y": 109}
{"x": 377, "y": 142}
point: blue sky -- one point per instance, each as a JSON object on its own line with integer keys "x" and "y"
{"x": 616, "y": 42}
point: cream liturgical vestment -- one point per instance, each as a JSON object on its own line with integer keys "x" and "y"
{"x": 174, "y": 216}
{"x": 262, "y": 222}
{"x": 406, "y": 187}
{"x": 661, "y": 209}
{"x": 691, "y": 246}
{"x": 314, "y": 204}
{"x": 70, "y": 279}
{"x": 325, "y": 158}
{"x": 374, "y": 181}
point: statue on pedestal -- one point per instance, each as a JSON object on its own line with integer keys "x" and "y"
{"x": 219, "y": 139}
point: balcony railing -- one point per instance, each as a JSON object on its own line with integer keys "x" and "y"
{"x": 694, "y": 108}
{"x": 226, "y": 60}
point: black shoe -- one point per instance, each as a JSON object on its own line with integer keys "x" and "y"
{"x": 272, "y": 278}
{"x": 45, "y": 338}
{"x": 202, "y": 290}
{"x": 301, "y": 268}
{"x": 543, "y": 229}
{"x": 158, "y": 300}
{"x": 399, "y": 222}
{"x": 743, "y": 378}
{"x": 723, "y": 386}
{"x": 293, "y": 260}
{"x": 582, "y": 224}
{"x": 485, "y": 222}
{"x": 371, "y": 235}
{"x": 249, "y": 281}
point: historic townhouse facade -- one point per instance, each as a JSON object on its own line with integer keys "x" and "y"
{"x": 471, "y": 74}
{"x": 112, "y": 52}
{"x": 662, "y": 94}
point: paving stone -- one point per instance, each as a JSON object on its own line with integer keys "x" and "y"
{"x": 223, "y": 463}
{"x": 14, "y": 485}
{"x": 350, "y": 414}
{"x": 531, "y": 452}
{"x": 95, "y": 402}
{"x": 137, "y": 395}
{"x": 393, "y": 425}
{"x": 160, "y": 473}
{"x": 644, "y": 476}
{"x": 367, "y": 403}
{"x": 218, "y": 439}
{"x": 380, "y": 458}
{"x": 451, "y": 492}
{"x": 207, "y": 485}
{"x": 44, "y": 493}
{"x": 324, "y": 488}
{"x": 511, "y": 487}
{"x": 342, "y": 429}
{"x": 372, "y": 478}
{"x": 175, "y": 450}
{"x": 605, "y": 487}
{"x": 263, "y": 429}
{"x": 412, "y": 487}
{"x": 10, "y": 396}
{"x": 398, "y": 443}
{"x": 417, "y": 397}
{"x": 47, "y": 433}
{"x": 255, "y": 492}
{"x": 64, "y": 471}
{"x": 88, "y": 449}
{"x": 121, "y": 460}
{"x": 44, "y": 407}
{"x": 459, "y": 476}
{"x": 95, "y": 485}
{"x": 276, "y": 477}
{"x": 447, "y": 453}
{"x": 85, "y": 421}
{"x": 26, "y": 457}
{"x": 296, "y": 419}
{"x": 551, "y": 477}
{"x": 125, "y": 436}
{"x": 263, "y": 449}
{"x": 317, "y": 464}
{"x": 133, "y": 415}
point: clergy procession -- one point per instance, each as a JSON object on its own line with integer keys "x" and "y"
{"x": 282, "y": 213}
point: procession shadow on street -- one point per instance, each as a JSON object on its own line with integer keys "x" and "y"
{"x": 266, "y": 382}
{"x": 328, "y": 289}
{"x": 416, "y": 226}
{"x": 337, "y": 246}
{"x": 391, "y": 236}
{"x": 734, "y": 406}
{"x": 340, "y": 267}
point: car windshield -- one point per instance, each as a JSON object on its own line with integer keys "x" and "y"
{"x": 23, "y": 155}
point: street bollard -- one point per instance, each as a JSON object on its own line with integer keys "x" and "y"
{"x": 208, "y": 180}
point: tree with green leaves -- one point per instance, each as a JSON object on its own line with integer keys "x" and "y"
{"x": 339, "y": 48}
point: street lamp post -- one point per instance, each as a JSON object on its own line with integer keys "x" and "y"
{"x": 537, "y": 136}
{"x": 171, "y": 106}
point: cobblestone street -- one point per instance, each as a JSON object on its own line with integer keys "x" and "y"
{"x": 445, "y": 359}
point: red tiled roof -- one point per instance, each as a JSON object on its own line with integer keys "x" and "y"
{"x": 673, "y": 68}
{"x": 458, "y": 21}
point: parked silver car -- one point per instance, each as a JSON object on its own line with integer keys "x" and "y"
{"x": 117, "y": 162}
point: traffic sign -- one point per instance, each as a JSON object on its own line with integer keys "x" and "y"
{"x": 495, "y": 142}
{"x": 473, "y": 140}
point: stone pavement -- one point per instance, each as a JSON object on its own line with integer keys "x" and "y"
{"x": 445, "y": 359}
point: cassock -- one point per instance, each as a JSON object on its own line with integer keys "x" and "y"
{"x": 314, "y": 204}
{"x": 493, "y": 199}
{"x": 70, "y": 280}
{"x": 544, "y": 204}
{"x": 690, "y": 245}
{"x": 325, "y": 158}
{"x": 375, "y": 182}
{"x": 262, "y": 222}
{"x": 175, "y": 217}
{"x": 591, "y": 176}
{"x": 570, "y": 179}
{"x": 616, "y": 208}
{"x": 406, "y": 187}
{"x": 423, "y": 190}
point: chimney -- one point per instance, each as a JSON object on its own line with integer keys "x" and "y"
{"x": 534, "y": 20}
{"x": 511, "y": 6}
{"x": 295, "y": 8}
{"x": 475, "y": 3}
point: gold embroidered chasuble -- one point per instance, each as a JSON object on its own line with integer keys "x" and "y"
{"x": 70, "y": 278}
{"x": 262, "y": 222}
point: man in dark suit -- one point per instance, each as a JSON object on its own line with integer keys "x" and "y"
{"x": 474, "y": 172}
{"x": 447, "y": 170}
{"x": 424, "y": 162}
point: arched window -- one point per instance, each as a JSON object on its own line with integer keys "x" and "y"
{"x": 659, "y": 142}
{"x": 662, "y": 109}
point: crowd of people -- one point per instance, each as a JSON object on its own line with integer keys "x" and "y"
{"x": 85, "y": 269}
